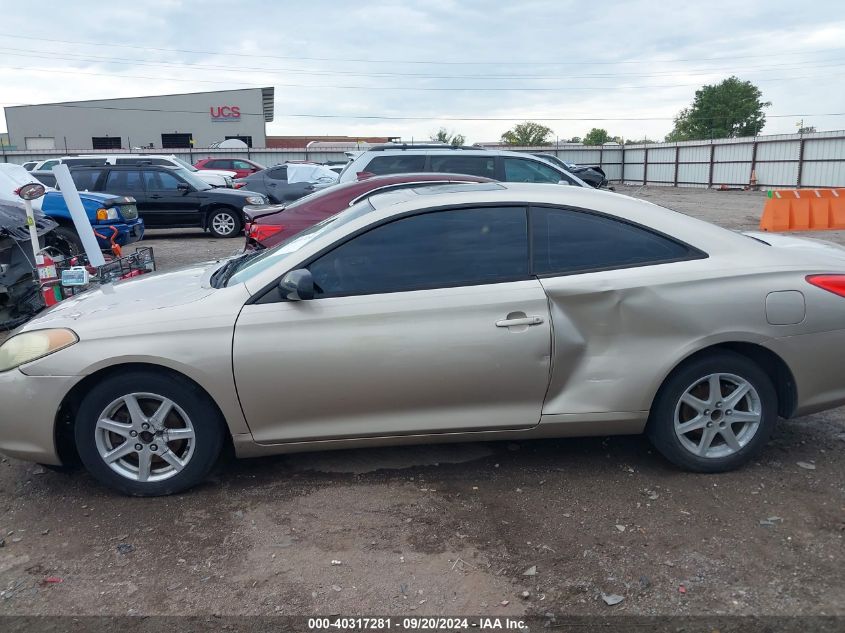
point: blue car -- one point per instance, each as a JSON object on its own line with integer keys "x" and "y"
{"x": 113, "y": 218}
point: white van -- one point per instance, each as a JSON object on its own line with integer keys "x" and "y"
{"x": 214, "y": 177}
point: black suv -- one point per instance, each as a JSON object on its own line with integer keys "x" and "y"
{"x": 171, "y": 197}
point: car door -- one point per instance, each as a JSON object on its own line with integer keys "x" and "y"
{"x": 167, "y": 204}
{"x": 426, "y": 324}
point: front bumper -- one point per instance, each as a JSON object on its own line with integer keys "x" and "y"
{"x": 28, "y": 408}
{"x": 127, "y": 233}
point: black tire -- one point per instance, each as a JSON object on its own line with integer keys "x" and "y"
{"x": 232, "y": 219}
{"x": 208, "y": 425}
{"x": 661, "y": 424}
{"x": 66, "y": 240}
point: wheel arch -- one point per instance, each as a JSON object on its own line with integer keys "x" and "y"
{"x": 217, "y": 206}
{"x": 63, "y": 426}
{"x": 767, "y": 360}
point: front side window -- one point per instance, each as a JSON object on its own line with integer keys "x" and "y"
{"x": 524, "y": 170}
{"x": 86, "y": 179}
{"x": 240, "y": 164}
{"x": 472, "y": 165}
{"x": 278, "y": 173}
{"x": 432, "y": 250}
{"x": 161, "y": 181}
{"x": 566, "y": 241}
{"x": 395, "y": 164}
{"x": 50, "y": 164}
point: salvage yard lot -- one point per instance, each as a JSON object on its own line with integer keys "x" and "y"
{"x": 446, "y": 529}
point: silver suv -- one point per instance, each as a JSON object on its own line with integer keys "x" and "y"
{"x": 499, "y": 165}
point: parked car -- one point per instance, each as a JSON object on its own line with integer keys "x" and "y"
{"x": 496, "y": 164}
{"x": 114, "y": 218}
{"x": 240, "y": 167}
{"x": 19, "y": 296}
{"x": 593, "y": 175}
{"x": 214, "y": 177}
{"x": 447, "y": 313}
{"x": 272, "y": 224}
{"x": 171, "y": 197}
{"x": 290, "y": 181}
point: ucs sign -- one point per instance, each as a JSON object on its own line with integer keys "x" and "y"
{"x": 225, "y": 113}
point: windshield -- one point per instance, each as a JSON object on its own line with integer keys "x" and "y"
{"x": 184, "y": 164}
{"x": 271, "y": 256}
{"x": 197, "y": 183}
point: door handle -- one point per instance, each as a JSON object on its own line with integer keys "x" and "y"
{"x": 529, "y": 320}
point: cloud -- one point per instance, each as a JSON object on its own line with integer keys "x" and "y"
{"x": 535, "y": 59}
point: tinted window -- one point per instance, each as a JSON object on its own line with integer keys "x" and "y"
{"x": 395, "y": 164}
{"x": 571, "y": 241}
{"x": 49, "y": 164}
{"x": 86, "y": 179}
{"x": 219, "y": 164}
{"x": 472, "y": 165}
{"x": 278, "y": 173}
{"x": 524, "y": 170}
{"x": 441, "y": 249}
{"x": 240, "y": 164}
{"x": 161, "y": 181}
{"x": 124, "y": 180}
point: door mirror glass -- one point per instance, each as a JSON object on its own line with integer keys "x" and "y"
{"x": 297, "y": 285}
{"x": 183, "y": 186}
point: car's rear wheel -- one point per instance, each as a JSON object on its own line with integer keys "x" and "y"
{"x": 147, "y": 434}
{"x": 713, "y": 413}
{"x": 224, "y": 223}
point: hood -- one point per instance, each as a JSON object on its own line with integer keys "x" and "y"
{"x": 216, "y": 172}
{"x": 13, "y": 222}
{"x": 131, "y": 299}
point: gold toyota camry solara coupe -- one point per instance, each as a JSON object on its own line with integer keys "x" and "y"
{"x": 446, "y": 313}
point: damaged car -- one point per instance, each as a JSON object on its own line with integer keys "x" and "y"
{"x": 19, "y": 296}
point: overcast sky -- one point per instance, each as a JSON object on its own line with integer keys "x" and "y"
{"x": 435, "y": 60}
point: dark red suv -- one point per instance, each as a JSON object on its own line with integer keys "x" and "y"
{"x": 271, "y": 224}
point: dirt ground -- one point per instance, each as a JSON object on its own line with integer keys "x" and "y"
{"x": 540, "y": 528}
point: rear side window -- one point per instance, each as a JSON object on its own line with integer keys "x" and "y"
{"x": 472, "y": 165}
{"x": 565, "y": 241}
{"x": 278, "y": 173}
{"x": 395, "y": 164}
{"x": 434, "y": 250}
{"x": 86, "y": 179}
{"x": 124, "y": 180}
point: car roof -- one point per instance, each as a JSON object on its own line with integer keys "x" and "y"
{"x": 131, "y": 166}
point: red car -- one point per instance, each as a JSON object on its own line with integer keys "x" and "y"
{"x": 241, "y": 166}
{"x": 272, "y": 224}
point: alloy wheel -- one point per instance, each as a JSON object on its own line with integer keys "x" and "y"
{"x": 224, "y": 224}
{"x": 145, "y": 437}
{"x": 717, "y": 415}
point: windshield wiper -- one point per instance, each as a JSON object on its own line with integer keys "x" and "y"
{"x": 225, "y": 273}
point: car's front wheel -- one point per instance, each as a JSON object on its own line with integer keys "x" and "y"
{"x": 714, "y": 413}
{"x": 147, "y": 433}
{"x": 224, "y": 223}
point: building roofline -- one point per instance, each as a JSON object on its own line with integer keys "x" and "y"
{"x": 267, "y": 96}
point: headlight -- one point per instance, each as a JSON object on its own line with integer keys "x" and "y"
{"x": 104, "y": 215}
{"x": 30, "y": 346}
{"x": 256, "y": 200}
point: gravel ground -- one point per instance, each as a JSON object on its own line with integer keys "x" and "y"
{"x": 530, "y": 528}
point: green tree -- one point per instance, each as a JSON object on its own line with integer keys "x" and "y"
{"x": 574, "y": 139}
{"x": 527, "y": 134}
{"x": 597, "y": 136}
{"x": 725, "y": 110}
{"x": 445, "y": 136}
{"x": 642, "y": 141}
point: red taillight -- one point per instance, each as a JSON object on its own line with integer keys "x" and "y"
{"x": 260, "y": 232}
{"x": 831, "y": 283}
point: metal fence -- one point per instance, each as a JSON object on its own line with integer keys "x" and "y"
{"x": 786, "y": 160}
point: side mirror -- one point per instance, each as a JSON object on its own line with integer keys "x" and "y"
{"x": 184, "y": 187}
{"x": 297, "y": 285}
